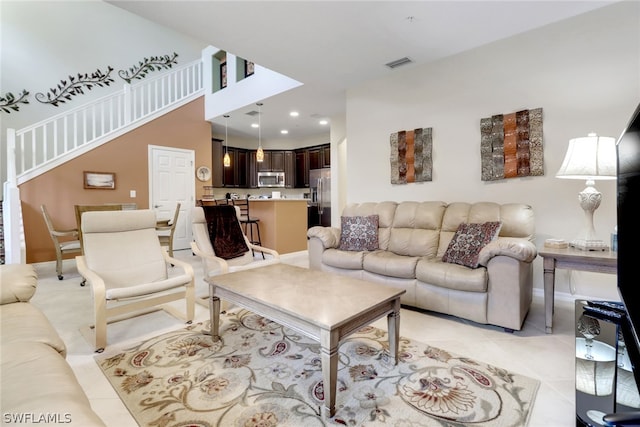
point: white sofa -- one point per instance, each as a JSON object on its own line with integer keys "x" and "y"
{"x": 412, "y": 239}
{"x": 38, "y": 387}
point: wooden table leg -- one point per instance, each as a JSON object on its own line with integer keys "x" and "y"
{"x": 329, "y": 353}
{"x": 393, "y": 328}
{"x": 549, "y": 265}
{"x": 214, "y": 312}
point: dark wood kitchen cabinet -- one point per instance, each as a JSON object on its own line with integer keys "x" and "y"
{"x": 325, "y": 159}
{"x": 302, "y": 168}
{"x": 314, "y": 158}
{"x": 273, "y": 162}
{"x": 289, "y": 169}
{"x": 236, "y": 175}
{"x": 217, "y": 168}
{"x": 320, "y": 156}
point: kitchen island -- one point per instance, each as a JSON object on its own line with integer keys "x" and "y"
{"x": 283, "y": 223}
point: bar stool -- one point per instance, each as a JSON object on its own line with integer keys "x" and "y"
{"x": 248, "y": 221}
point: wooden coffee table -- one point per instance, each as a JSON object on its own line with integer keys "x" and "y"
{"x": 323, "y": 306}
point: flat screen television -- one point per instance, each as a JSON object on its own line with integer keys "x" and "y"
{"x": 628, "y": 189}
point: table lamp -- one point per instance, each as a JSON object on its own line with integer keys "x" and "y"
{"x": 590, "y": 158}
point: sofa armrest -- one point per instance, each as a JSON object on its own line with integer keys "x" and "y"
{"x": 18, "y": 281}
{"x": 519, "y": 249}
{"x": 329, "y": 236}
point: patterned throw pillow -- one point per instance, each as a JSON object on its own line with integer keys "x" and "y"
{"x": 470, "y": 238}
{"x": 359, "y": 233}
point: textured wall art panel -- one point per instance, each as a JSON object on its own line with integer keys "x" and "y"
{"x": 511, "y": 145}
{"x": 411, "y": 156}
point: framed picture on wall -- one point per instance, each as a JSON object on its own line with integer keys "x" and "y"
{"x": 99, "y": 180}
{"x": 223, "y": 75}
{"x": 249, "y": 68}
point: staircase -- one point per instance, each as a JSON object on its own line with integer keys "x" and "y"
{"x": 41, "y": 147}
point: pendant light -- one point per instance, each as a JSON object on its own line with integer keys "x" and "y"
{"x": 226, "y": 161}
{"x": 260, "y": 152}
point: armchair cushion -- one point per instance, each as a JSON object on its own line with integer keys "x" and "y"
{"x": 147, "y": 288}
{"x": 470, "y": 238}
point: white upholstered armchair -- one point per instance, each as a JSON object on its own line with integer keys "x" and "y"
{"x": 128, "y": 270}
{"x": 214, "y": 264}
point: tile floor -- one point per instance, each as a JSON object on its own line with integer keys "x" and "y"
{"x": 546, "y": 357}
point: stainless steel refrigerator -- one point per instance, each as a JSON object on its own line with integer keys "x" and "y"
{"x": 320, "y": 204}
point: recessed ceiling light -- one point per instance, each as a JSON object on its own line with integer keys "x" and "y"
{"x": 323, "y": 122}
{"x": 284, "y": 131}
{"x": 255, "y": 125}
{"x": 294, "y": 114}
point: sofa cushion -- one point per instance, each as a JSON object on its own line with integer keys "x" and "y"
{"x": 22, "y": 322}
{"x": 468, "y": 241}
{"x": 17, "y": 283}
{"x": 359, "y": 233}
{"x": 416, "y": 228}
{"x": 385, "y": 212}
{"x": 37, "y": 381}
{"x": 349, "y": 260}
{"x": 452, "y": 276}
{"x": 389, "y": 264}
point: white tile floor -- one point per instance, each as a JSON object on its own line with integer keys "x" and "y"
{"x": 546, "y": 357}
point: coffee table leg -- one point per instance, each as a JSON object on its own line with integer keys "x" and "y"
{"x": 329, "y": 354}
{"x": 214, "y": 312}
{"x": 393, "y": 328}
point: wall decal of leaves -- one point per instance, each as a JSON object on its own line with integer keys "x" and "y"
{"x": 154, "y": 63}
{"x": 10, "y": 102}
{"x": 75, "y": 86}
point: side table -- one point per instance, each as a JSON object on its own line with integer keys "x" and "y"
{"x": 571, "y": 259}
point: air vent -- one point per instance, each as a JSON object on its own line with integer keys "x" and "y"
{"x": 398, "y": 62}
{"x": 252, "y": 113}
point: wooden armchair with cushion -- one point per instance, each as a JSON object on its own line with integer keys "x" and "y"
{"x": 166, "y": 232}
{"x": 65, "y": 241}
{"x": 128, "y": 270}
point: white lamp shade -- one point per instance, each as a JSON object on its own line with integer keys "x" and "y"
{"x": 589, "y": 158}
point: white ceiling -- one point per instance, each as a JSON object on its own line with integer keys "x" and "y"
{"x": 331, "y": 46}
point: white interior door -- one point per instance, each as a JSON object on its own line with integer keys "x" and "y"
{"x": 171, "y": 181}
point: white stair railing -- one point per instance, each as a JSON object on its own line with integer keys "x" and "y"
{"x": 36, "y": 149}
{"x": 53, "y": 141}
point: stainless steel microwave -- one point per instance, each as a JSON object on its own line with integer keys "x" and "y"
{"x": 270, "y": 179}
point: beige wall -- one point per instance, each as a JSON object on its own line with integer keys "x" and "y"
{"x": 583, "y": 72}
{"x": 127, "y": 156}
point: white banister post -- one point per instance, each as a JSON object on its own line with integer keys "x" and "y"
{"x": 11, "y": 208}
{"x": 128, "y": 104}
{"x": 11, "y": 156}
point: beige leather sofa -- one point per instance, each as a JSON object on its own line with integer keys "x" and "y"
{"x": 38, "y": 387}
{"x": 412, "y": 239}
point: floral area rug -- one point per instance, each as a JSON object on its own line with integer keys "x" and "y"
{"x": 264, "y": 374}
